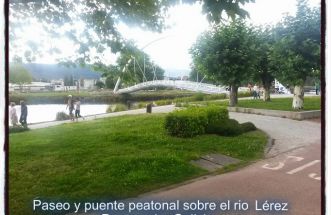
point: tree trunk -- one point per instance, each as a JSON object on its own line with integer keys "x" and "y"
{"x": 233, "y": 96}
{"x": 266, "y": 93}
{"x": 298, "y": 97}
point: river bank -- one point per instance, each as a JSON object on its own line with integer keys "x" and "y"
{"x": 96, "y": 97}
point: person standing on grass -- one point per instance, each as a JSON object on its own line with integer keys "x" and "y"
{"x": 258, "y": 92}
{"x": 77, "y": 109}
{"x": 13, "y": 114}
{"x": 255, "y": 89}
{"x": 24, "y": 114}
{"x": 70, "y": 105}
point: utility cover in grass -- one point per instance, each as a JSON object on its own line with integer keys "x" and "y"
{"x": 212, "y": 162}
{"x": 207, "y": 165}
{"x": 220, "y": 159}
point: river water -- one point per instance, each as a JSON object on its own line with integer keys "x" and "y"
{"x": 47, "y": 112}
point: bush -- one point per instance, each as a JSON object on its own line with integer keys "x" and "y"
{"x": 198, "y": 97}
{"x": 244, "y": 94}
{"x": 247, "y": 126}
{"x": 194, "y": 120}
{"x": 163, "y": 102}
{"x": 116, "y": 108}
{"x": 62, "y": 116}
{"x": 216, "y": 96}
{"x": 16, "y": 129}
{"x": 120, "y": 107}
{"x": 186, "y": 123}
{"x": 109, "y": 109}
{"x": 227, "y": 127}
{"x": 142, "y": 104}
{"x": 216, "y": 114}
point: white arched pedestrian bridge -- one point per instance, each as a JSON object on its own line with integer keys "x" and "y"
{"x": 178, "y": 84}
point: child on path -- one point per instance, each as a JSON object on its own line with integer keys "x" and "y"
{"x": 13, "y": 114}
{"x": 77, "y": 109}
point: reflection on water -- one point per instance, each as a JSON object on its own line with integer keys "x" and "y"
{"x": 44, "y": 113}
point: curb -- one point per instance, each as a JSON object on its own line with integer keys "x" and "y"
{"x": 278, "y": 113}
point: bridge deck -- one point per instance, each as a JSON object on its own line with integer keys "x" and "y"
{"x": 184, "y": 85}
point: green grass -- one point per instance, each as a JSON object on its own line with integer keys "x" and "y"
{"x": 285, "y": 104}
{"x": 310, "y": 103}
{"x": 116, "y": 157}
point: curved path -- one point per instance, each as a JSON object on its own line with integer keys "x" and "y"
{"x": 290, "y": 175}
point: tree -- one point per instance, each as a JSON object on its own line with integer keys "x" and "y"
{"x": 19, "y": 75}
{"x": 226, "y": 54}
{"x": 97, "y": 33}
{"x": 137, "y": 64}
{"x": 296, "y": 53}
{"x": 264, "y": 72}
{"x": 99, "y": 84}
{"x": 141, "y": 67}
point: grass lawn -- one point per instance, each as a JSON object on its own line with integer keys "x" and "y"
{"x": 310, "y": 103}
{"x": 110, "y": 158}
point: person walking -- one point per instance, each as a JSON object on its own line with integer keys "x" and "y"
{"x": 24, "y": 114}
{"x": 13, "y": 114}
{"x": 77, "y": 109}
{"x": 70, "y": 105}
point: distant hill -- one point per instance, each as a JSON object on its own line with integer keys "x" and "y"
{"x": 55, "y": 72}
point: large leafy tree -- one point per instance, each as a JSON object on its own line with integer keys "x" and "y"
{"x": 296, "y": 53}
{"x": 132, "y": 66}
{"x": 92, "y": 24}
{"x": 264, "y": 72}
{"x": 19, "y": 75}
{"x": 227, "y": 55}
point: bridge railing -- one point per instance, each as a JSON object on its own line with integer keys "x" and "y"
{"x": 186, "y": 85}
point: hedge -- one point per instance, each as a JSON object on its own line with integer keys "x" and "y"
{"x": 247, "y": 126}
{"x": 194, "y": 120}
{"x": 227, "y": 127}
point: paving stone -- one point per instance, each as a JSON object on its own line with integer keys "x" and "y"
{"x": 220, "y": 159}
{"x": 207, "y": 165}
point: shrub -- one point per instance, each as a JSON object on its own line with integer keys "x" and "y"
{"x": 62, "y": 116}
{"x": 182, "y": 104}
{"x": 109, "y": 109}
{"x": 116, "y": 108}
{"x": 179, "y": 104}
{"x": 247, "y": 126}
{"x": 198, "y": 97}
{"x": 194, "y": 120}
{"x": 120, "y": 107}
{"x": 16, "y": 129}
{"x": 227, "y": 127}
{"x": 142, "y": 104}
{"x": 186, "y": 123}
{"x": 216, "y": 114}
{"x": 216, "y": 96}
{"x": 242, "y": 94}
{"x": 163, "y": 102}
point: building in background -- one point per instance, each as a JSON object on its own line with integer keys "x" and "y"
{"x": 55, "y": 77}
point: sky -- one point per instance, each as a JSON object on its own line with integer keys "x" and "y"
{"x": 187, "y": 23}
{"x": 170, "y": 49}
